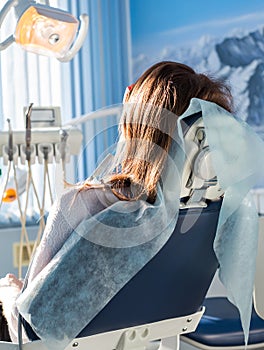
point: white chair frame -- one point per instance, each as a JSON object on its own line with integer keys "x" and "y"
{"x": 133, "y": 338}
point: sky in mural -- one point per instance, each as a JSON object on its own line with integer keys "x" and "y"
{"x": 173, "y": 22}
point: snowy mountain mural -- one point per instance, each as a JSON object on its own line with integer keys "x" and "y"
{"x": 238, "y": 59}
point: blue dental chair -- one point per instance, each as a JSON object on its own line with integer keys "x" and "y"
{"x": 220, "y": 327}
{"x": 165, "y": 298}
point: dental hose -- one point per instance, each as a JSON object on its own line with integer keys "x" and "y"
{"x": 41, "y": 220}
{"x": 24, "y": 234}
{"x": 10, "y": 157}
{"x": 46, "y": 179}
{"x": 30, "y": 180}
{"x": 22, "y": 219}
{"x": 46, "y": 174}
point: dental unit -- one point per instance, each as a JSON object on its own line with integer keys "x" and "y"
{"x": 46, "y": 131}
{"x": 43, "y": 139}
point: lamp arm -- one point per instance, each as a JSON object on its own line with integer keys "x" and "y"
{"x": 79, "y": 41}
{"x": 4, "y": 44}
{"x": 6, "y": 8}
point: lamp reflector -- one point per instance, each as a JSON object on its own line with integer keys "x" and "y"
{"x": 46, "y": 31}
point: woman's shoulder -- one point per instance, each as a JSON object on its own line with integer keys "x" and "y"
{"x": 93, "y": 199}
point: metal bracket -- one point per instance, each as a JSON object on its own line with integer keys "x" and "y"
{"x": 196, "y": 199}
{"x": 136, "y": 339}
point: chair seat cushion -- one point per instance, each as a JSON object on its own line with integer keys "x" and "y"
{"x": 221, "y": 326}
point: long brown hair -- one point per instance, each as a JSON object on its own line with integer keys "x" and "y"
{"x": 166, "y": 86}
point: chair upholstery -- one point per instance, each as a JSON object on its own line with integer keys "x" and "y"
{"x": 220, "y": 326}
{"x": 174, "y": 283}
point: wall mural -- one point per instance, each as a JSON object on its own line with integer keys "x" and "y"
{"x": 225, "y": 40}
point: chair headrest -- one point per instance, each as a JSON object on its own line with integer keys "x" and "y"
{"x": 199, "y": 181}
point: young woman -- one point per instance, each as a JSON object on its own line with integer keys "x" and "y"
{"x": 165, "y": 86}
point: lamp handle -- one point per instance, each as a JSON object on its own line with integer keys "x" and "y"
{"x": 79, "y": 40}
{"x": 7, "y": 7}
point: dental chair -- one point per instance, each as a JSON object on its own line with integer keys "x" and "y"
{"x": 165, "y": 298}
{"x": 220, "y": 327}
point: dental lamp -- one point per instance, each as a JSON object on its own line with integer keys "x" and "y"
{"x": 45, "y": 30}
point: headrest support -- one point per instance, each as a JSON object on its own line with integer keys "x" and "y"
{"x": 199, "y": 181}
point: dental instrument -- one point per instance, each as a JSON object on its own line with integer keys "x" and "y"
{"x": 30, "y": 181}
{"x": 62, "y": 150}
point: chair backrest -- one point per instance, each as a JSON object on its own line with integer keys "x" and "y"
{"x": 174, "y": 283}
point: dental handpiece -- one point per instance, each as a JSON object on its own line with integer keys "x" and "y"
{"x": 10, "y": 141}
{"x": 28, "y": 132}
{"x": 64, "y": 136}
